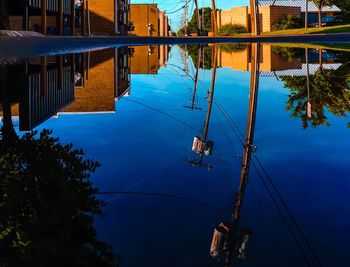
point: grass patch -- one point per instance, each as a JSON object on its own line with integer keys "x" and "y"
{"x": 336, "y": 47}
{"x": 324, "y": 30}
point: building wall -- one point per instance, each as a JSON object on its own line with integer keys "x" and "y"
{"x": 237, "y": 15}
{"x": 145, "y": 60}
{"x": 163, "y": 55}
{"x": 16, "y": 22}
{"x": 269, "y": 15}
{"x": 163, "y": 24}
{"x": 167, "y": 28}
{"x": 102, "y": 17}
{"x": 98, "y": 92}
{"x": 240, "y": 60}
{"x": 273, "y": 62}
{"x": 141, "y": 15}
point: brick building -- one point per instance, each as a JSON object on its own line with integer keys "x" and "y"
{"x": 268, "y": 15}
{"x": 70, "y": 17}
{"x": 269, "y": 61}
{"x": 38, "y": 89}
{"x": 148, "y": 20}
{"x": 105, "y": 80}
{"x": 107, "y": 17}
{"x": 45, "y": 16}
{"x": 271, "y": 12}
{"x": 148, "y": 59}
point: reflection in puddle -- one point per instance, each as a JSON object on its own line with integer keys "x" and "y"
{"x": 166, "y": 124}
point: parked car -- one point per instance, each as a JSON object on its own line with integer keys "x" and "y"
{"x": 329, "y": 21}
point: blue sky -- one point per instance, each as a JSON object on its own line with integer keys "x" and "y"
{"x": 173, "y": 5}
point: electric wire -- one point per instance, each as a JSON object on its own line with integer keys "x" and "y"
{"x": 240, "y": 137}
{"x": 288, "y": 211}
{"x": 163, "y": 195}
{"x": 162, "y": 112}
{"x": 277, "y": 245}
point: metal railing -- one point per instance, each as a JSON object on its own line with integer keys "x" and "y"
{"x": 52, "y": 5}
{"x": 38, "y": 108}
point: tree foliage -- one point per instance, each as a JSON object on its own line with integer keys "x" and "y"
{"x": 288, "y": 22}
{"x": 288, "y": 54}
{"x": 329, "y": 91}
{"x": 320, "y": 5}
{"x": 205, "y": 14}
{"x": 48, "y": 205}
{"x": 344, "y": 5}
{"x": 231, "y": 29}
{"x": 206, "y": 55}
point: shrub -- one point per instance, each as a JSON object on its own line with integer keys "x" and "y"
{"x": 231, "y": 29}
{"x": 288, "y": 22}
{"x": 232, "y": 47}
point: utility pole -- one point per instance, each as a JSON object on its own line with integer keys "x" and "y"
{"x": 198, "y": 18}
{"x": 248, "y": 146}
{"x": 199, "y": 53}
{"x": 203, "y": 22}
{"x": 186, "y": 17}
{"x": 199, "y": 146}
{"x": 309, "y": 106}
{"x": 248, "y": 149}
{"x": 254, "y": 14}
{"x": 43, "y": 17}
{"x": 306, "y": 14}
{"x": 213, "y": 17}
{"x": 88, "y": 17}
{"x": 232, "y": 238}
{"x": 186, "y": 59}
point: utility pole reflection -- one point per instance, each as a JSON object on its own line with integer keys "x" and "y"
{"x": 309, "y": 106}
{"x": 229, "y": 244}
{"x": 199, "y": 52}
{"x": 204, "y": 146}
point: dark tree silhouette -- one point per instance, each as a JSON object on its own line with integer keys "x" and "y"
{"x": 48, "y": 205}
{"x": 329, "y": 91}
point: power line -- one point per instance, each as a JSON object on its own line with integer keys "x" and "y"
{"x": 164, "y": 113}
{"x": 163, "y": 195}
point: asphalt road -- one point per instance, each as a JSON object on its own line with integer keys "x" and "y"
{"x": 33, "y": 46}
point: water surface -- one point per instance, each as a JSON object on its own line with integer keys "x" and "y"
{"x": 271, "y": 156}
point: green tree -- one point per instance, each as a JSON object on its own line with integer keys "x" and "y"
{"x": 207, "y": 53}
{"x": 329, "y": 90}
{"x": 288, "y": 53}
{"x": 231, "y": 29}
{"x": 288, "y": 22}
{"x": 344, "y": 5}
{"x": 205, "y": 13}
{"x": 320, "y": 5}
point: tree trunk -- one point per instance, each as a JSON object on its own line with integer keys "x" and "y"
{"x": 320, "y": 17}
{"x": 320, "y": 58}
{"x": 4, "y": 15}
